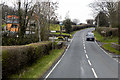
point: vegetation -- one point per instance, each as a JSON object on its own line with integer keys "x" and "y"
{"x": 109, "y": 48}
{"x": 55, "y": 27}
{"x": 41, "y": 65}
{"x": 103, "y": 19}
{"x": 106, "y": 42}
{"x": 67, "y": 25}
{"x": 105, "y": 39}
{"x": 15, "y": 58}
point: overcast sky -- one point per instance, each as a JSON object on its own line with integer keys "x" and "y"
{"x": 78, "y": 9}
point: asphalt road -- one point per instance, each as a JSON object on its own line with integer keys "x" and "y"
{"x": 84, "y": 59}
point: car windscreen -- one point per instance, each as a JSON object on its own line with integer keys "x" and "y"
{"x": 90, "y": 34}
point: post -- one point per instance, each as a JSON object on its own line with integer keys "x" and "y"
{"x": 60, "y": 28}
{"x": 119, "y": 21}
{"x": 98, "y": 21}
{"x": 0, "y": 41}
{"x": 118, "y": 34}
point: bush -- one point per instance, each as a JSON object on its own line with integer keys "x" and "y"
{"x": 110, "y": 32}
{"x": 79, "y": 27}
{"x": 11, "y": 40}
{"x": 67, "y": 25}
{"x": 15, "y": 58}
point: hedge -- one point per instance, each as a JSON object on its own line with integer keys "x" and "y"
{"x": 15, "y": 58}
{"x": 79, "y": 27}
{"x": 109, "y": 31}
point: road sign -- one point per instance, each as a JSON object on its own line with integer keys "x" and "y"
{"x": 53, "y": 31}
{"x": 61, "y": 23}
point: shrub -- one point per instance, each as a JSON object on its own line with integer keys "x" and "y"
{"x": 67, "y": 24}
{"x": 110, "y": 32}
{"x": 15, "y": 58}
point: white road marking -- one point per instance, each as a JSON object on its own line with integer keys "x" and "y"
{"x": 107, "y": 53}
{"x": 94, "y": 73}
{"x": 84, "y": 47}
{"x": 89, "y": 62}
{"x": 59, "y": 60}
{"x": 86, "y": 56}
{"x": 83, "y": 42}
{"x": 85, "y": 51}
{"x": 52, "y": 70}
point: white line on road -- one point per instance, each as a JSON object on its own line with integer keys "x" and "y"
{"x": 94, "y": 73}
{"x": 89, "y": 62}
{"x": 56, "y": 64}
{"x": 84, "y": 47}
{"x": 107, "y": 53}
{"x": 85, "y": 51}
{"x": 59, "y": 60}
{"x": 52, "y": 70}
{"x": 83, "y": 42}
{"x": 86, "y": 56}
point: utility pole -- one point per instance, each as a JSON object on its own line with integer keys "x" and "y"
{"x": 98, "y": 19}
{"x": 118, "y": 21}
{"x": 39, "y": 23}
{"x": 1, "y": 41}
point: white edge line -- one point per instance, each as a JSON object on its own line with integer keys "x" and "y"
{"x": 107, "y": 53}
{"x": 58, "y": 61}
{"x": 89, "y": 62}
{"x": 94, "y": 73}
{"x": 55, "y": 65}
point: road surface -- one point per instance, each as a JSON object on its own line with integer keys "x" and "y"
{"x": 84, "y": 59}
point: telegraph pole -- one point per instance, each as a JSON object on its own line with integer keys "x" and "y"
{"x": 1, "y": 41}
{"x": 98, "y": 21}
{"x": 118, "y": 21}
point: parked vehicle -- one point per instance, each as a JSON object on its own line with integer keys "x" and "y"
{"x": 90, "y": 36}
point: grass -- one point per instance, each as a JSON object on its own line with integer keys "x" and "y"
{"x": 55, "y": 27}
{"x": 109, "y": 48}
{"x": 62, "y": 33}
{"x": 41, "y": 66}
{"x": 107, "y": 41}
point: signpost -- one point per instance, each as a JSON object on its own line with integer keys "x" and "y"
{"x": 53, "y": 39}
{"x": 61, "y": 24}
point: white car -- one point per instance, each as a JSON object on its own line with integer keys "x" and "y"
{"x": 90, "y": 36}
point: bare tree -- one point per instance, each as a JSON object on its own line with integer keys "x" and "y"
{"x": 76, "y": 21}
{"x": 45, "y": 12}
{"x": 109, "y": 7}
{"x": 25, "y": 12}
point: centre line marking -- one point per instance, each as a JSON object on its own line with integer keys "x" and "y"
{"x": 85, "y": 51}
{"x": 86, "y": 56}
{"x": 89, "y": 62}
{"x": 94, "y": 73}
{"x": 83, "y": 42}
{"x": 84, "y": 47}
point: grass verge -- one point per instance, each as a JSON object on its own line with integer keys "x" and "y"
{"x": 107, "y": 42}
{"x": 110, "y": 49}
{"x": 105, "y": 39}
{"x": 41, "y": 66}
